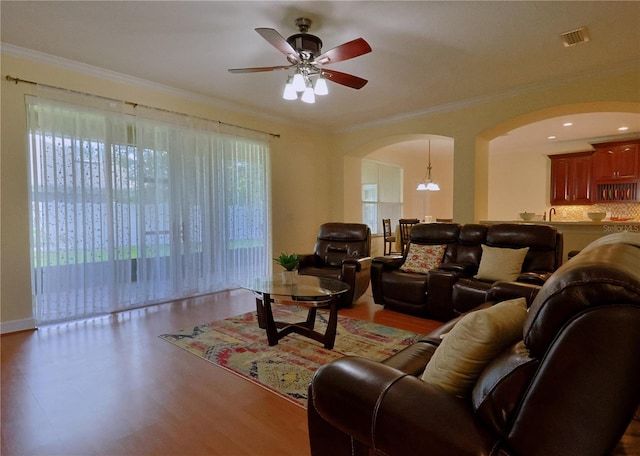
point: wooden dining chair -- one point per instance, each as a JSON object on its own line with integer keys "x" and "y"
{"x": 389, "y": 238}
{"x": 405, "y": 231}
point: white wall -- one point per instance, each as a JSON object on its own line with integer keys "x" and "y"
{"x": 518, "y": 182}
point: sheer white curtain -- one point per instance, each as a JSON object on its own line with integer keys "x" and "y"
{"x": 129, "y": 210}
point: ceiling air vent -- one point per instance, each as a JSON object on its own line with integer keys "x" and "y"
{"x": 574, "y": 37}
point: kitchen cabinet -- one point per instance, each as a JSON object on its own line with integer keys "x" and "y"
{"x": 616, "y": 171}
{"x": 616, "y": 161}
{"x": 571, "y": 178}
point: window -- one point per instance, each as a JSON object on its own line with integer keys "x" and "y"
{"x": 381, "y": 193}
{"x": 132, "y": 210}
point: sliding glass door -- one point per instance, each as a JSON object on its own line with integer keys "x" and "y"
{"x": 131, "y": 210}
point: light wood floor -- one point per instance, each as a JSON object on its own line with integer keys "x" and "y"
{"x": 110, "y": 386}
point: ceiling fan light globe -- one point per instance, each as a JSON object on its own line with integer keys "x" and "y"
{"x": 308, "y": 96}
{"x": 421, "y": 187}
{"x": 321, "y": 87}
{"x": 289, "y": 92}
{"x": 298, "y": 83}
{"x": 433, "y": 187}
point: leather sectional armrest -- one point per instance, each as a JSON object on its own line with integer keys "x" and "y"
{"x": 413, "y": 359}
{"x": 358, "y": 262}
{"x": 536, "y": 278}
{"x": 388, "y": 263}
{"x": 394, "y": 412}
{"x": 356, "y": 271}
{"x": 307, "y": 259}
{"x": 502, "y": 291}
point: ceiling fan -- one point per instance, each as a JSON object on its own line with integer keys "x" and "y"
{"x": 304, "y": 53}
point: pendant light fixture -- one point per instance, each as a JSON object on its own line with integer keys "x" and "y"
{"x": 427, "y": 183}
{"x": 302, "y": 86}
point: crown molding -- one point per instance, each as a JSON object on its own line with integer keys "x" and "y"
{"x": 525, "y": 89}
{"x": 102, "y": 73}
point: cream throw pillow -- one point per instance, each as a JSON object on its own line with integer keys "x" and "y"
{"x": 501, "y": 264}
{"x": 423, "y": 258}
{"x": 472, "y": 343}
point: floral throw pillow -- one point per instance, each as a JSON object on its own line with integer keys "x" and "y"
{"x": 423, "y": 258}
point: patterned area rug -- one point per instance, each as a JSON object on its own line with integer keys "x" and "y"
{"x": 240, "y": 346}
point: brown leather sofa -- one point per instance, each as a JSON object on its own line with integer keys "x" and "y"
{"x": 450, "y": 290}
{"x": 341, "y": 252}
{"x": 569, "y": 387}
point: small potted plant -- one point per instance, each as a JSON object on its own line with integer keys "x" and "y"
{"x": 289, "y": 263}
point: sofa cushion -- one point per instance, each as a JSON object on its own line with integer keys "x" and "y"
{"x": 545, "y": 245}
{"x": 468, "y": 250}
{"x": 472, "y": 343}
{"x": 423, "y": 258}
{"x": 500, "y": 264}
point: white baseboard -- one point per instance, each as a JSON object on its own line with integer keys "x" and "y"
{"x": 7, "y": 327}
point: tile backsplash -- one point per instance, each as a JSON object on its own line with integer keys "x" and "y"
{"x": 579, "y": 213}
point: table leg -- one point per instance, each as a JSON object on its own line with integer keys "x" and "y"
{"x": 311, "y": 318}
{"x": 262, "y": 323}
{"x": 332, "y": 324}
{"x": 270, "y": 324}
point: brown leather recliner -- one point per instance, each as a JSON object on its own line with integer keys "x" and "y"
{"x": 570, "y": 387}
{"x": 451, "y": 289}
{"x": 341, "y": 252}
{"x": 409, "y": 292}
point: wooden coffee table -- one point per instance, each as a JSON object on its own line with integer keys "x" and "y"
{"x": 307, "y": 291}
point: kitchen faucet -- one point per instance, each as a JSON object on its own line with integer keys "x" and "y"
{"x": 551, "y": 211}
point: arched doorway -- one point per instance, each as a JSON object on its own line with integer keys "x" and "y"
{"x": 411, "y": 154}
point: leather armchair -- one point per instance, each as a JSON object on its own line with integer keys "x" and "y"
{"x": 341, "y": 252}
{"x": 569, "y": 387}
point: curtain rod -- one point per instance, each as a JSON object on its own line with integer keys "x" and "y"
{"x": 25, "y": 81}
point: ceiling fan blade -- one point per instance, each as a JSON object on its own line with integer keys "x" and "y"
{"x": 345, "y": 79}
{"x": 345, "y": 51}
{"x": 259, "y": 69}
{"x": 278, "y": 41}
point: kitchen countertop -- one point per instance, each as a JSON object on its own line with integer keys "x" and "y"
{"x": 567, "y": 223}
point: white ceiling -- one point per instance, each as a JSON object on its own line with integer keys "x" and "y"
{"x": 427, "y": 55}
